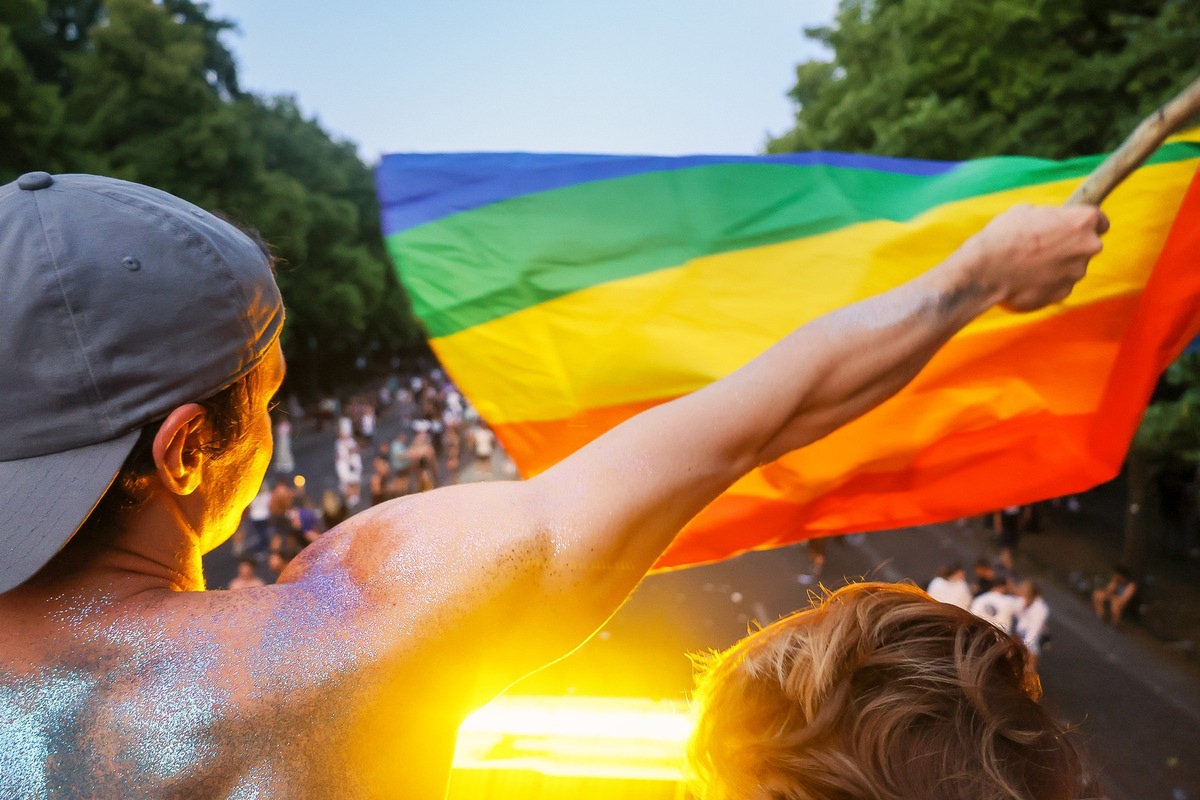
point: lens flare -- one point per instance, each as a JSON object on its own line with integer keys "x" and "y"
{"x": 635, "y": 739}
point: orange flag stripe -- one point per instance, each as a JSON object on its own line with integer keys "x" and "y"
{"x": 990, "y": 410}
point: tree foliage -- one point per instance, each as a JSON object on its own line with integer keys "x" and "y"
{"x": 147, "y": 91}
{"x": 956, "y": 79}
{"x": 1172, "y": 422}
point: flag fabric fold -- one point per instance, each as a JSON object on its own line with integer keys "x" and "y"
{"x": 565, "y": 293}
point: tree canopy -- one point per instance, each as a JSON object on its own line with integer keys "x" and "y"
{"x": 146, "y": 90}
{"x": 957, "y": 79}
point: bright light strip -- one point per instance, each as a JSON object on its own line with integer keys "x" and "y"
{"x": 616, "y": 718}
{"x": 632, "y": 738}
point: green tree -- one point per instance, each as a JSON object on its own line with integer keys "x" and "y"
{"x": 30, "y": 111}
{"x": 147, "y": 90}
{"x": 956, "y": 79}
{"x": 315, "y": 201}
{"x": 220, "y": 67}
{"x": 62, "y": 28}
{"x": 1172, "y": 422}
{"x": 143, "y": 108}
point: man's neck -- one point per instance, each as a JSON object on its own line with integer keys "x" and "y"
{"x": 155, "y": 549}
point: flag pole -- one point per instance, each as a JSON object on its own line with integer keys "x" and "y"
{"x": 1133, "y": 152}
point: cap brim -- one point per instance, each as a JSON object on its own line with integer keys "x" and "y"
{"x": 44, "y": 500}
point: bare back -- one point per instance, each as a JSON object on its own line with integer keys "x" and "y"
{"x": 251, "y": 694}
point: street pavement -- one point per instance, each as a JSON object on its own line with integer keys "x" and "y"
{"x": 1135, "y": 702}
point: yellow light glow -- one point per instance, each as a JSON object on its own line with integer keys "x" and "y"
{"x": 299, "y": 481}
{"x": 586, "y": 737}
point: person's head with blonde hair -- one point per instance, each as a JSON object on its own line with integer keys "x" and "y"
{"x": 879, "y": 692}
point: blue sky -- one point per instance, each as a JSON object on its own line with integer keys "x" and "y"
{"x": 620, "y": 76}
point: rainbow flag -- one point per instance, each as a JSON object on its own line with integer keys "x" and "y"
{"x": 565, "y": 293}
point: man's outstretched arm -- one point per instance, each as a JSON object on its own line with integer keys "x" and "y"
{"x": 613, "y": 507}
{"x": 541, "y": 564}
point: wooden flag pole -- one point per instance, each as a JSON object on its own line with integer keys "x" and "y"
{"x": 1134, "y": 151}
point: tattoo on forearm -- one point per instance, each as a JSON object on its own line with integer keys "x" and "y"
{"x": 950, "y": 302}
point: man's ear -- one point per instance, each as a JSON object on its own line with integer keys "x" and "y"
{"x": 178, "y": 451}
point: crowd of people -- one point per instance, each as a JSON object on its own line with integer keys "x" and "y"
{"x": 1110, "y": 601}
{"x": 994, "y": 593}
{"x": 435, "y": 426}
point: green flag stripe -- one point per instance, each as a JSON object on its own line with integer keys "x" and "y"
{"x": 491, "y": 261}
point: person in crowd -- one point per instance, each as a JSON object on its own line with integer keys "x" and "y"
{"x": 453, "y": 445}
{"x": 477, "y": 471}
{"x": 1031, "y": 619}
{"x": 327, "y": 411}
{"x": 247, "y": 575}
{"x": 404, "y": 399}
{"x": 278, "y": 560}
{"x": 122, "y": 678}
{"x": 1111, "y": 601}
{"x": 347, "y": 463}
{"x": 259, "y": 516}
{"x": 333, "y": 509}
{"x": 283, "y": 495}
{"x": 401, "y": 464}
{"x": 241, "y": 536}
{"x": 284, "y": 462}
{"x": 483, "y": 442}
{"x": 306, "y": 525}
{"x": 470, "y": 415}
{"x": 385, "y": 398}
{"x": 424, "y": 462}
{"x": 1009, "y": 525}
{"x": 815, "y": 549}
{"x": 397, "y": 484}
{"x": 381, "y": 469}
{"x": 366, "y": 422}
{"x": 998, "y": 606}
{"x": 950, "y": 586}
{"x": 454, "y": 405}
{"x": 429, "y": 419}
{"x": 879, "y": 692}
{"x": 302, "y": 528}
{"x": 983, "y": 577}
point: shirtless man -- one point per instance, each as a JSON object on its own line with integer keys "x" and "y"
{"x": 129, "y": 310}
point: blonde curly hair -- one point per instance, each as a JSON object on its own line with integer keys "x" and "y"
{"x": 879, "y": 693}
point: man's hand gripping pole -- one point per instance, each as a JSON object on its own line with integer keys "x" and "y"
{"x": 1138, "y": 147}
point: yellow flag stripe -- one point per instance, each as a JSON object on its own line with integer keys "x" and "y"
{"x": 672, "y": 331}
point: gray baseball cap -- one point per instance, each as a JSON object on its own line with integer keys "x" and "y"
{"x": 118, "y": 303}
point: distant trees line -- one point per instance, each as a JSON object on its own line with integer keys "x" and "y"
{"x": 148, "y": 91}
{"x": 959, "y": 79}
